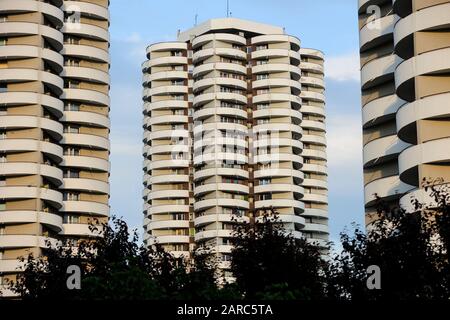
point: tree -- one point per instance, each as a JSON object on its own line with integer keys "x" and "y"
{"x": 410, "y": 248}
{"x": 269, "y": 263}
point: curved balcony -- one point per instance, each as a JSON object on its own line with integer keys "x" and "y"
{"x": 219, "y": 186}
{"x": 220, "y": 156}
{"x": 230, "y": 127}
{"x": 320, "y": 213}
{"x": 277, "y": 38}
{"x": 423, "y": 197}
{"x": 277, "y": 113}
{"x": 26, "y": 75}
{"x": 312, "y": 53}
{"x": 88, "y": 140}
{"x": 431, "y": 152}
{"x": 212, "y": 218}
{"x": 28, "y": 28}
{"x": 316, "y": 227}
{"x": 314, "y": 168}
{"x": 313, "y": 110}
{"x": 86, "y": 74}
{"x": 26, "y": 168}
{"x": 9, "y": 266}
{"x": 22, "y": 192}
{"x": 85, "y": 8}
{"x": 388, "y": 188}
{"x": 168, "y": 208}
{"x": 53, "y": 221}
{"x": 280, "y": 203}
{"x": 87, "y": 185}
{"x": 382, "y": 149}
{"x": 380, "y": 110}
{"x": 165, "y": 104}
{"x": 288, "y": 218}
{"x": 167, "y": 119}
{"x": 169, "y": 239}
{"x": 23, "y": 98}
{"x": 209, "y": 82}
{"x": 312, "y": 82}
{"x": 164, "y": 76}
{"x": 18, "y": 122}
{"x": 431, "y": 18}
{"x": 25, "y": 51}
{"x": 277, "y": 68}
{"x": 314, "y": 125}
{"x": 165, "y": 149}
{"x": 81, "y": 230}
{"x": 166, "y": 46}
{"x": 279, "y": 187}
{"x": 160, "y": 164}
{"x": 88, "y": 118}
{"x": 312, "y": 67}
{"x": 277, "y": 97}
{"x": 86, "y": 96}
{"x": 21, "y": 145}
{"x": 84, "y": 162}
{"x": 220, "y": 202}
{"x": 25, "y": 241}
{"x": 212, "y": 111}
{"x": 426, "y": 108}
{"x": 278, "y": 127}
{"x": 276, "y": 53}
{"x": 219, "y": 141}
{"x": 315, "y": 198}
{"x": 223, "y": 96}
{"x": 378, "y": 71}
{"x": 86, "y": 53}
{"x": 167, "y": 61}
{"x": 168, "y": 179}
{"x": 223, "y": 37}
{"x": 315, "y": 183}
{"x": 314, "y": 139}
{"x": 219, "y": 66}
{"x": 314, "y": 154}
{"x": 86, "y": 207}
{"x": 86, "y": 31}
{"x": 370, "y": 37}
{"x": 432, "y": 62}
{"x": 231, "y": 172}
{"x": 278, "y": 83}
{"x": 278, "y": 172}
{"x": 166, "y": 134}
{"x": 222, "y": 52}
{"x": 312, "y": 96}
{"x": 278, "y": 142}
{"x": 165, "y": 90}
{"x": 208, "y": 234}
{"x": 168, "y": 194}
{"x": 168, "y": 224}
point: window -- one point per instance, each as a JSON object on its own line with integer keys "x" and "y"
{"x": 70, "y": 173}
{"x": 74, "y": 17}
{"x": 177, "y": 82}
{"x": 3, "y": 41}
{"x": 262, "y": 76}
{"x": 177, "y": 68}
{"x": 264, "y": 182}
{"x": 3, "y": 87}
{"x": 2, "y": 134}
{"x": 70, "y": 106}
{"x": 262, "y": 121}
{"x": 71, "y": 40}
{"x": 71, "y": 129}
{"x": 265, "y": 196}
{"x": 2, "y": 158}
{"x": 262, "y": 91}
{"x": 70, "y": 196}
{"x": 262, "y": 47}
{"x": 176, "y": 54}
{"x": 72, "y": 62}
{"x": 71, "y": 219}
{"x": 179, "y": 112}
{"x": 260, "y": 62}
{"x": 3, "y": 18}
{"x": 2, "y": 181}
{"x": 72, "y": 84}
{"x": 71, "y": 152}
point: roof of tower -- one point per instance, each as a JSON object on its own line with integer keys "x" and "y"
{"x": 229, "y": 24}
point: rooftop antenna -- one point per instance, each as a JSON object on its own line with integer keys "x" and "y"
{"x": 196, "y": 18}
{"x": 228, "y": 9}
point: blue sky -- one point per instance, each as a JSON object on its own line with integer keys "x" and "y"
{"x": 328, "y": 25}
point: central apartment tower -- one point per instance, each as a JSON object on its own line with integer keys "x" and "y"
{"x": 234, "y": 123}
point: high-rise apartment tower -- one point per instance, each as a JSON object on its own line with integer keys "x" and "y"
{"x": 234, "y": 119}
{"x": 54, "y": 124}
{"x": 405, "y": 78}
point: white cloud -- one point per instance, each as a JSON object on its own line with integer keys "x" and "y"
{"x": 343, "y": 67}
{"x": 344, "y": 141}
